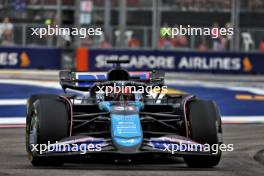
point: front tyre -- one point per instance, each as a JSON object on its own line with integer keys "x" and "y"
{"x": 205, "y": 127}
{"x": 47, "y": 121}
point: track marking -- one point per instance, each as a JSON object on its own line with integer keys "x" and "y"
{"x": 12, "y": 120}
{"x": 13, "y": 126}
{"x": 233, "y": 87}
{"x": 250, "y": 97}
{"x": 242, "y": 119}
{"x": 46, "y": 84}
{"x": 10, "y": 102}
{"x": 175, "y": 91}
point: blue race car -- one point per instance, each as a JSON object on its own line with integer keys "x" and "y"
{"x": 120, "y": 115}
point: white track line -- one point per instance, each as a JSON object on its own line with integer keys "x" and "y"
{"x": 12, "y": 120}
{"x": 9, "y": 102}
{"x": 226, "y": 86}
{"x": 242, "y": 119}
{"x": 46, "y": 84}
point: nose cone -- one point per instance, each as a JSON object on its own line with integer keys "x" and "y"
{"x": 126, "y": 132}
{"x": 127, "y": 143}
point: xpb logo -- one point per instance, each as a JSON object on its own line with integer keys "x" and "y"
{"x": 165, "y": 31}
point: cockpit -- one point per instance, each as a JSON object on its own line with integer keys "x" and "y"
{"x": 120, "y": 91}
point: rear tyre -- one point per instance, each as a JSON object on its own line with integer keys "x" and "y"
{"x": 47, "y": 121}
{"x": 205, "y": 126}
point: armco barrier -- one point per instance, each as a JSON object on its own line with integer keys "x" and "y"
{"x": 30, "y": 58}
{"x": 204, "y": 62}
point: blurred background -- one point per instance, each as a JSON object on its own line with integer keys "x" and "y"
{"x": 135, "y": 23}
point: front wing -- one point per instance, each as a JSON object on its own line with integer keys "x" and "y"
{"x": 174, "y": 145}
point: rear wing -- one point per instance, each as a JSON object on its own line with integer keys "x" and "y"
{"x": 84, "y": 80}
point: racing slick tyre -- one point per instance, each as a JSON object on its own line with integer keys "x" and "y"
{"x": 47, "y": 122}
{"x": 205, "y": 127}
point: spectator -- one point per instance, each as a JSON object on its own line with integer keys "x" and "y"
{"x": 133, "y": 42}
{"x": 219, "y": 44}
{"x": 105, "y": 44}
{"x": 182, "y": 40}
{"x": 187, "y": 4}
{"x": 86, "y": 42}
{"x": 203, "y": 46}
{"x": 6, "y": 32}
{"x": 256, "y": 4}
{"x": 174, "y": 42}
{"x": 216, "y": 28}
{"x": 165, "y": 43}
{"x": 261, "y": 45}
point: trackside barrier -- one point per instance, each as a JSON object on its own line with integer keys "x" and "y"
{"x": 82, "y": 63}
{"x": 174, "y": 61}
{"x": 30, "y": 58}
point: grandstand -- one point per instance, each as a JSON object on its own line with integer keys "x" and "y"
{"x": 141, "y": 22}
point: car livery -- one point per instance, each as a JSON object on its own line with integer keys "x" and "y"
{"x": 120, "y": 124}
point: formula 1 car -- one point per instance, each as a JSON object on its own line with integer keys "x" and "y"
{"x": 100, "y": 115}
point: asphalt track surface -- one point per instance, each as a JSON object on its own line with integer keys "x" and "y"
{"x": 248, "y": 140}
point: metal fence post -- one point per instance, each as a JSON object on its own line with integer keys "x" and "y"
{"x": 122, "y": 22}
{"x": 154, "y": 23}
{"x": 235, "y": 16}
{"x": 24, "y": 38}
{"x": 107, "y": 18}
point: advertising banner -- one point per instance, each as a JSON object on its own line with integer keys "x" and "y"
{"x": 174, "y": 61}
{"x": 30, "y": 58}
